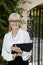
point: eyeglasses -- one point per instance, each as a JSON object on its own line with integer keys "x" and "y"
{"x": 14, "y": 21}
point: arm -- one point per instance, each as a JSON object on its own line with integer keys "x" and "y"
{"x": 26, "y": 55}
{"x": 5, "y": 54}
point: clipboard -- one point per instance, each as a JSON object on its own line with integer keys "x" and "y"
{"x": 24, "y": 46}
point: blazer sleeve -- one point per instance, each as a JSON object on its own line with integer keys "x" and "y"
{"x": 27, "y": 55}
{"x": 6, "y": 55}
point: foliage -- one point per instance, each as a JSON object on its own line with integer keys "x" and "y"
{"x": 6, "y": 7}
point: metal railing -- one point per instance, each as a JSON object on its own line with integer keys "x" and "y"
{"x": 35, "y": 27}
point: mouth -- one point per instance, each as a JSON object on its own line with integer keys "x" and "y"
{"x": 14, "y": 25}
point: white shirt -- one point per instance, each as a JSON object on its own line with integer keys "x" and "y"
{"x": 21, "y": 37}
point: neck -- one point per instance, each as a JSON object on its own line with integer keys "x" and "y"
{"x": 14, "y": 32}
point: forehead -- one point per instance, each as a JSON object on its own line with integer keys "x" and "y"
{"x": 14, "y": 18}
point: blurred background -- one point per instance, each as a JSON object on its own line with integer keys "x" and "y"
{"x": 32, "y": 20}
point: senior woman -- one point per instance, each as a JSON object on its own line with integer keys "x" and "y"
{"x": 15, "y": 36}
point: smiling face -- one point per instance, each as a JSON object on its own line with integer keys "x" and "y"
{"x": 14, "y": 20}
{"x": 14, "y": 24}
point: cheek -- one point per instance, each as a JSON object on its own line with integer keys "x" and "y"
{"x": 18, "y": 24}
{"x": 14, "y": 24}
{"x": 10, "y": 24}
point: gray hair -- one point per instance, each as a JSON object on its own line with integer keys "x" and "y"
{"x": 14, "y": 16}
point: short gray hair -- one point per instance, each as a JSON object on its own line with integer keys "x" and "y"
{"x": 14, "y": 16}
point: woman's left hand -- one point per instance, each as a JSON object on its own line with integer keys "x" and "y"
{"x": 16, "y": 49}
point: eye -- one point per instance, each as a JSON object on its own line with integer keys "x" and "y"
{"x": 11, "y": 21}
{"x": 14, "y": 21}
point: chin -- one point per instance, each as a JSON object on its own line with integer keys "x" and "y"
{"x": 15, "y": 28}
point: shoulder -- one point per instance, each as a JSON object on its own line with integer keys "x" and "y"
{"x": 7, "y": 34}
{"x": 24, "y": 32}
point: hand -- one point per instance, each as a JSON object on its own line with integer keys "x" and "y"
{"x": 16, "y": 49}
{"x": 14, "y": 56}
{"x": 18, "y": 54}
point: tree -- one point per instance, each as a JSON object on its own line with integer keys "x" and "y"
{"x": 6, "y": 7}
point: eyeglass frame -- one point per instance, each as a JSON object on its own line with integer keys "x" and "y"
{"x": 14, "y": 21}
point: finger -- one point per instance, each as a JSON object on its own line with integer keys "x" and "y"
{"x": 11, "y": 47}
{"x": 15, "y": 45}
